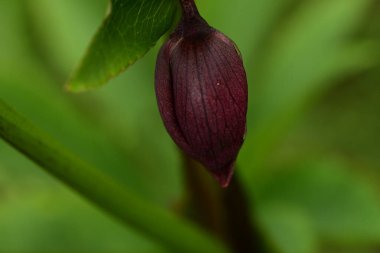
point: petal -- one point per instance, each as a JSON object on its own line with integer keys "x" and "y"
{"x": 165, "y": 98}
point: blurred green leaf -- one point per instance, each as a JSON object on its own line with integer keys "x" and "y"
{"x": 343, "y": 207}
{"x": 288, "y": 228}
{"x": 346, "y": 123}
{"x": 129, "y": 31}
{"x": 311, "y": 50}
{"x": 44, "y": 216}
{"x": 249, "y": 23}
{"x": 59, "y": 31}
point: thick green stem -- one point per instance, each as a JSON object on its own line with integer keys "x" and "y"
{"x": 172, "y": 232}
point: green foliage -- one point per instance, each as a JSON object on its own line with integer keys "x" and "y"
{"x": 288, "y": 227}
{"x": 311, "y": 50}
{"x": 130, "y": 30}
{"x": 34, "y": 221}
{"x": 341, "y": 206}
{"x": 313, "y": 73}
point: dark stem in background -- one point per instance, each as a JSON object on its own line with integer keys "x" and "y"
{"x": 203, "y": 198}
{"x": 224, "y": 212}
{"x": 243, "y": 231}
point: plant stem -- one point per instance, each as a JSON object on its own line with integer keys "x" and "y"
{"x": 224, "y": 212}
{"x": 243, "y": 232}
{"x": 203, "y": 198}
{"x": 189, "y": 9}
{"x": 172, "y": 232}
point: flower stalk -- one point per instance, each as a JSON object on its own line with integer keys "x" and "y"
{"x": 189, "y": 9}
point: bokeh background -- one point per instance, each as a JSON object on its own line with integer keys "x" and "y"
{"x": 311, "y": 160}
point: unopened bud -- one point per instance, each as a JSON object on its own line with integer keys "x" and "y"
{"x": 202, "y": 93}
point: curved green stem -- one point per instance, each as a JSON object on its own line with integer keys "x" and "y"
{"x": 172, "y": 232}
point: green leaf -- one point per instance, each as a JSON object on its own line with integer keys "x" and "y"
{"x": 44, "y": 216}
{"x": 129, "y": 31}
{"x": 313, "y": 48}
{"x": 248, "y": 22}
{"x": 288, "y": 228}
{"x": 60, "y": 31}
{"x": 172, "y": 232}
{"x": 342, "y": 205}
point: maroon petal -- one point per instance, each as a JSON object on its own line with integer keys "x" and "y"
{"x": 164, "y": 94}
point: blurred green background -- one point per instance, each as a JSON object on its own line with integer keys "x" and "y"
{"x": 311, "y": 161}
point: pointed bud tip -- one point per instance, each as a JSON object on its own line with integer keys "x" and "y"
{"x": 224, "y": 176}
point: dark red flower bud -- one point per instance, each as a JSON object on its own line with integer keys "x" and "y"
{"x": 202, "y": 93}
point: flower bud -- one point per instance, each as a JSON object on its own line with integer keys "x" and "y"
{"x": 202, "y": 93}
